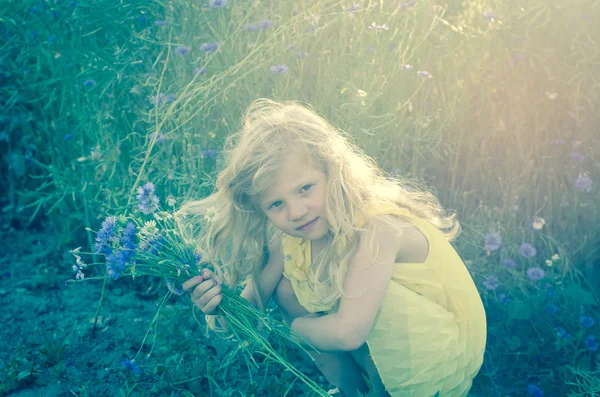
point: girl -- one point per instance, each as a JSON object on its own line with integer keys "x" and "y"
{"x": 359, "y": 263}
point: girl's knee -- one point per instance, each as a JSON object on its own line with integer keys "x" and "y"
{"x": 287, "y": 301}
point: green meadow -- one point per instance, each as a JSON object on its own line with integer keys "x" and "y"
{"x": 492, "y": 104}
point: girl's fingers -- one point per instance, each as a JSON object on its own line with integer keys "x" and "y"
{"x": 191, "y": 283}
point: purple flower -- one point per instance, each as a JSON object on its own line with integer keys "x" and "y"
{"x": 265, "y": 24}
{"x": 408, "y": 4}
{"x": 549, "y": 290}
{"x": 584, "y": 183}
{"x": 128, "y": 236}
{"x": 104, "y": 235}
{"x": 278, "y": 69}
{"x": 210, "y": 153}
{"x": 68, "y": 136}
{"x": 509, "y": 263}
{"x": 503, "y": 298}
{"x": 201, "y": 70}
{"x": 551, "y": 308}
{"x": 491, "y": 16}
{"x": 535, "y": 273}
{"x": 217, "y": 3}
{"x": 405, "y": 66}
{"x": 209, "y": 47}
{"x": 161, "y": 23}
{"x": 51, "y": 38}
{"x": 535, "y": 390}
{"x": 527, "y": 250}
{"x": 493, "y": 241}
{"x": 250, "y": 27}
{"x": 517, "y": 59}
{"x": 148, "y": 201}
{"x": 491, "y": 283}
{"x": 590, "y": 342}
{"x": 424, "y": 74}
{"x": 129, "y": 365}
{"x": 302, "y": 55}
{"x": 89, "y": 83}
{"x": 587, "y": 322}
{"x": 116, "y": 263}
{"x": 577, "y": 157}
{"x": 183, "y": 50}
{"x": 162, "y": 99}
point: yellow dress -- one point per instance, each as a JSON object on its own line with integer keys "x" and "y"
{"x": 430, "y": 333}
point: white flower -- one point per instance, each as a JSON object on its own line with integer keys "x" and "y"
{"x": 555, "y": 257}
{"x": 149, "y": 228}
{"x": 538, "y": 223}
{"x": 548, "y": 262}
{"x": 171, "y": 200}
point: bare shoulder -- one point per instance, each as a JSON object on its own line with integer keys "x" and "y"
{"x": 412, "y": 246}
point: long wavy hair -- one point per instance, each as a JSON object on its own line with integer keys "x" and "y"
{"x": 232, "y": 232}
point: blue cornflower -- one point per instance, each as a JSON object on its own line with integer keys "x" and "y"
{"x": 148, "y": 201}
{"x": 128, "y": 235}
{"x": 51, "y": 38}
{"x": 162, "y": 99}
{"x": 279, "y": 69}
{"x": 209, "y": 47}
{"x": 587, "y": 322}
{"x": 89, "y": 83}
{"x": 577, "y": 157}
{"x": 551, "y": 308}
{"x": 549, "y": 290}
{"x": 424, "y": 74}
{"x": 116, "y": 263}
{"x": 584, "y": 182}
{"x": 503, "y": 298}
{"x": 527, "y": 250}
{"x": 265, "y": 24}
{"x": 590, "y": 342}
{"x": 68, "y": 137}
{"x": 183, "y": 50}
{"x": 491, "y": 283}
{"x": 104, "y": 235}
{"x": 509, "y": 263}
{"x": 217, "y": 3}
{"x": 408, "y": 4}
{"x": 535, "y": 273}
{"x": 493, "y": 241}
{"x": 250, "y": 27}
{"x": 129, "y": 365}
{"x": 161, "y": 23}
{"x": 535, "y": 390}
{"x": 201, "y": 70}
{"x": 209, "y": 153}
{"x": 491, "y": 16}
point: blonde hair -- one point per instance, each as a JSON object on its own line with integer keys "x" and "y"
{"x": 233, "y": 233}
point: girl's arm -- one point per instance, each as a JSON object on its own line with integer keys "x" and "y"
{"x": 269, "y": 278}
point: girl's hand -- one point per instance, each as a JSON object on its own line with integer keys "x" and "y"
{"x": 205, "y": 291}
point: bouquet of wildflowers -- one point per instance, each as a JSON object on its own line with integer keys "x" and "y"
{"x": 149, "y": 244}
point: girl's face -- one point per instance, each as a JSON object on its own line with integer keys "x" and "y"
{"x": 297, "y": 197}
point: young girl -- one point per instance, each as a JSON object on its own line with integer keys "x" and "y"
{"x": 359, "y": 263}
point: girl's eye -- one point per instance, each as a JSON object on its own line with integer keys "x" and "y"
{"x": 275, "y": 206}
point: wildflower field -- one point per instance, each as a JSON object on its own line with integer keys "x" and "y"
{"x": 113, "y": 113}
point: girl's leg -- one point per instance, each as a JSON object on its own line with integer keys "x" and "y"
{"x": 338, "y": 368}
